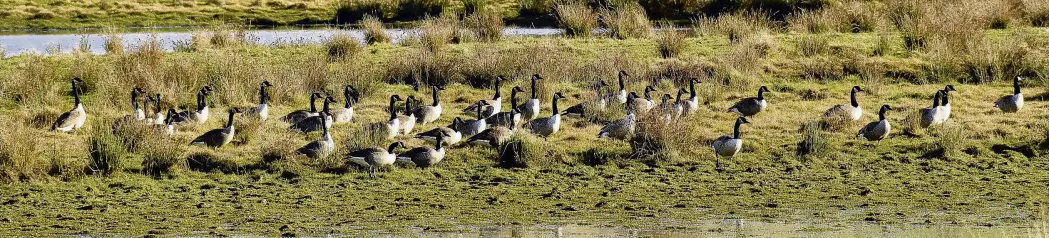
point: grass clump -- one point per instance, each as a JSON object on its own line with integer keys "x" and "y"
{"x": 161, "y": 157}
{"x": 107, "y": 152}
{"x": 813, "y": 22}
{"x": 669, "y": 41}
{"x": 114, "y": 44}
{"x": 578, "y": 19}
{"x": 813, "y": 45}
{"x": 1037, "y": 12}
{"x": 20, "y": 156}
{"x": 436, "y": 32}
{"x": 374, "y": 32}
{"x": 342, "y": 46}
{"x": 627, "y": 21}
{"x": 736, "y": 26}
{"x": 487, "y": 24}
{"x": 815, "y": 139}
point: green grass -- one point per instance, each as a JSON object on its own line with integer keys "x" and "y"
{"x": 988, "y": 168}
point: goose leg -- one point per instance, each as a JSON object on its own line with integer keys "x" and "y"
{"x": 717, "y": 162}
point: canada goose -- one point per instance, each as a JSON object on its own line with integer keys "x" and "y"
{"x": 547, "y": 126}
{"x": 728, "y": 145}
{"x": 425, "y": 156}
{"x": 666, "y": 107}
{"x": 621, "y": 95}
{"x": 648, "y": 102}
{"x": 946, "y": 105}
{"x": 169, "y": 123}
{"x": 1011, "y": 103}
{"x": 148, "y": 112}
{"x": 218, "y": 137}
{"x": 451, "y": 132}
{"x": 678, "y": 107}
{"x": 345, "y": 114}
{"x": 74, "y": 118}
{"x": 375, "y": 157}
{"x": 751, "y": 106}
{"x": 510, "y": 118}
{"x": 407, "y": 121}
{"x": 158, "y": 117}
{"x": 494, "y": 136}
{"x": 598, "y": 104}
{"x": 623, "y": 128}
{"x": 877, "y": 130}
{"x": 262, "y": 111}
{"x": 931, "y": 115}
{"x": 493, "y": 106}
{"x": 692, "y": 103}
{"x": 138, "y": 113}
{"x": 530, "y": 109}
{"x": 471, "y": 127}
{"x": 638, "y": 105}
{"x": 315, "y": 123}
{"x": 429, "y": 113}
{"x": 319, "y": 148}
{"x": 201, "y": 114}
{"x": 393, "y": 125}
{"x": 851, "y": 112}
{"x": 298, "y": 115}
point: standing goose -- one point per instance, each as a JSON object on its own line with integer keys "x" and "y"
{"x": 218, "y": 137}
{"x": 931, "y": 116}
{"x": 451, "y": 133}
{"x": 621, "y": 95}
{"x": 678, "y": 107}
{"x": 510, "y": 118}
{"x": 548, "y": 125}
{"x": 530, "y": 109}
{"x": 621, "y": 129}
{"x": 692, "y": 103}
{"x": 375, "y": 157}
{"x": 429, "y": 113}
{"x": 407, "y": 121}
{"x": 345, "y": 114}
{"x": 493, "y": 106}
{"x": 158, "y": 117}
{"x": 946, "y": 105}
{"x": 393, "y": 125}
{"x": 1011, "y": 103}
{"x": 598, "y": 104}
{"x": 315, "y": 123}
{"x": 425, "y": 156}
{"x": 74, "y": 118}
{"x": 728, "y": 145}
{"x": 298, "y": 115}
{"x": 471, "y": 127}
{"x": 262, "y": 111}
{"x": 846, "y": 113}
{"x": 201, "y": 114}
{"x": 876, "y": 131}
{"x": 138, "y": 112}
{"x": 751, "y": 106}
{"x": 319, "y": 148}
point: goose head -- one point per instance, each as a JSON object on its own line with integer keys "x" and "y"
{"x": 601, "y": 83}
{"x": 665, "y": 97}
{"x": 693, "y": 80}
{"x": 536, "y": 76}
{"x": 742, "y": 120}
{"x": 266, "y": 83}
{"x": 649, "y": 89}
{"x": 623, "y": 73}
{"x": 763, "y": 89}
{"x": 138, "y": 91}
{"x": 77, "y": 80}
{"x": 857, "y": 89}
{"x": 558, "y": 95}
{"x": 394, "y": 146}
{"x": 235, "y": 110}
{"x": 517, "y": 89}
{"x": 949, "y": 88}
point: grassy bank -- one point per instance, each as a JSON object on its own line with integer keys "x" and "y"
{"x": 983, "y": 168}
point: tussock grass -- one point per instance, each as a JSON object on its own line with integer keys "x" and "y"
{"x": 814, "y": 142}
{"x": 114, "y": 43}
{"x": 669, "y": 41}
{"x": 626, "y": 21}
{"x": 1037, "y": 12}
{"x": 578, "y": 19}
{"x": 736, "y": 26}
{"x": 857, "y": 16}
{"x": 107, "y": 151}
{"x": 20, "y": 156}
{"x": 342, "y": 46}
{"x": 162, "y": 157}
{"x": 436, "y": 32}
{"x": 813, "y": 22}
{"x": 487, "y": 24}
{"x": 813, "y": 45}
{"x": 374, "y": 32}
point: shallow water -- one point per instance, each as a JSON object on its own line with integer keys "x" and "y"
{"x": 65, "y": 42}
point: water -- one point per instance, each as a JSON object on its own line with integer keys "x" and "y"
{"x": 67, "y": 42}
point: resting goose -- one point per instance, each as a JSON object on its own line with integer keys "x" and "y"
{"x": 692, "y": 103}
{"x": 638, "y": 105}
{"x": 319, "y": 148}
{"x": 621, "y": 95}
{"x": 158, "y": 117}
{"x": 599, "y": 103}
{"x": 666, "y": 107}
{"x": 876, "y": 131}
{"x": 493, "y": 106}
{"x": 847, "y": 113}
{"x": 138, "y": 112}
{"x": 393, "y": 125}
{"x": 728, "y": 145}
{"x": 678, "y": 107}
{"x": 298, "y": 115}
{"x": 262, "y": 111}
{"x": 429, "y": 113}
{"x": 510, "y": 118}
{"x": 946, "y": 105}
{"x": 375, "y": 157}
{"x": 451, "y": 132}
{"x": 345, "y": 114}
{"x": 315, "y": 123}
{"x": 623, "y": 128}
{"x": 1011, "y": 103}
{"x": 751, "y": 106}
{"x": 74, "y": 118}
{"x": 494, "y": 136}
{"x": 471, "y": 127}
{"x": 648, "y": 102}
{"x": 530, "y": 109}
{"x": 425, "y": 156}
{"x": 407, "y": 121}
{"x": 218, "y": 137}
{"x": 931, "y": 116}
{"x": 547, "y": 126}
{"x": 201, "y": 114}
{"x": 169, "y": 123}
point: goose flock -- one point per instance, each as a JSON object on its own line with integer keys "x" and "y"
{"x": 490, "y": 125}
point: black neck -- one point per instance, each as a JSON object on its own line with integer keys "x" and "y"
{"x": 324, "y": 121}
{"x": 408, "y": 106}
{"x": 313, "y": 103}
{"x": 349, "y": 102}
{"x": 1016, "y": 86}
{"x": 229, "y": 123}
{"x": 936, "y": 100}
{"x": 881, "y": 114}
{"x": 647, "y": 96}
{"x": 852, "y": 98}
{"x": 156, "y": 103}
{"x": 440, "y": 139}
{"x": 513, "y": 99}
{"x": 533, "y": 89}
{"x": 945, "y": 96}
{"x": 679, "y": 93}
{"x": 76, "y": 95}
{"x": 436, "y": 99}
{"x": 263, "y": 98}
{"x": 393, "y": 108}
{"x": 621, "y": 86}
{"x": 134, "y": 100}
{"x": 326, "y": 107}
{"x": 691, "y": 88}
{"x": 761, "y": 94}
{"x": 201, "y": 101}
{"x": 556, "y": 112}
{"x": 391, "y": 148}
{"x": 735, "y": 130}
{"x": 497, "y": 94}
{"x": 479, "y": 107}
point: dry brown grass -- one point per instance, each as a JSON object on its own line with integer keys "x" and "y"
{"x": 374, "y": 32}
{"x": 487, "y": 24}
{"x": 436, "y": 32}
{"x": 626, "y": 21}
{"x": 577, "y": 19}
{"x": 669, "y": 41}
{"x": 342, "y": 46}
{"x": 736, "y": 26}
